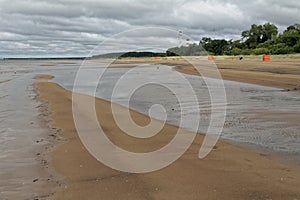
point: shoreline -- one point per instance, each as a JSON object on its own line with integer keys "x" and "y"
{"x": 249, "y": 70}
{"x": 228, "y": 172}
{"x": 54, "y": 140}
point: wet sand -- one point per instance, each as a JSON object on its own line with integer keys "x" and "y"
{"x": 229, "y": 172}
{"x": 24, "y": 171}
{"x": 279, "y": 72}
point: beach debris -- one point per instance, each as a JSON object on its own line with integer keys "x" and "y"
{"x": 38, "y": 141}
{"x": 44, "y": 162}
{"x": 266, "y": 57}
{"x": 211, "y": 58}
{"x": 35, "y": 180}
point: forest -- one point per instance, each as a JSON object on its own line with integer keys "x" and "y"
{"x": 259, "y": 39}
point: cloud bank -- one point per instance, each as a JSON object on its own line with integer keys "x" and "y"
{"x": 41, "y": 28}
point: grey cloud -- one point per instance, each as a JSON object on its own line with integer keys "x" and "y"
{"x": 75, "y": 27}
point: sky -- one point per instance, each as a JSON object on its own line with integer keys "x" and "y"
{"x": 63, "y": 28}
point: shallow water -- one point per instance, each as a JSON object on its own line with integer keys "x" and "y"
{"x": 262, "y": 116}
{"x": 22, "y": 135}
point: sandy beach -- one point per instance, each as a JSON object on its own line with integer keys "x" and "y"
{"x": 158, "y": 100}
{"x": 228, "y": 172}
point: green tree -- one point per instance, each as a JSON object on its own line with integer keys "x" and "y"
{"x": 297, "y": 47}
{"x": 281, "y": 48}
{"x": 269, "y": 31}
{"x": 204, "y": 41}
{"x": 252, "y": 36}
{"x": 294, "y": 27}
{"x": 217, "y": 47}
{"x": 236, "y": 51}
{"x": 290, "y": 37}
{"x": 259, "y": 34}
{"x": 238, "y": 44}
{"x": 260, "y": 51}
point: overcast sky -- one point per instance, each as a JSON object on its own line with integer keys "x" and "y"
{"x": 75, "y": 27}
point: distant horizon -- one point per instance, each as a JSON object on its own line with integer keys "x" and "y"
{"x": 43, "y": 57}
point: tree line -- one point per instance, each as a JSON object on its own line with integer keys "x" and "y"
{"x": 259, "y": 39}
